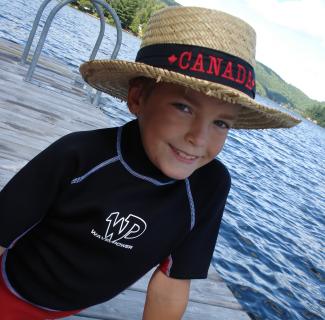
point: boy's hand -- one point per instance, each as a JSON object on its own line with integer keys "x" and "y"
{"x": 2, "y": 250}
{"x": 166, "y": 297}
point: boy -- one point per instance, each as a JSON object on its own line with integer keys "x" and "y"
{"x": 97, "y": 210}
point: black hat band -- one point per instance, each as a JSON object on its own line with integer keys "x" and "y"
{"x": 202, "y": 63}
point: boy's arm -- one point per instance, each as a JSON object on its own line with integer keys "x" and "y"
{"x": 166, "y": 297}
{"x": 2, "y": 249}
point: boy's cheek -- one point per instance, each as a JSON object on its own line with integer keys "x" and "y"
{"x": 219, "y": 146}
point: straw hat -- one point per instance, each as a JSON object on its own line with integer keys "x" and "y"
{"x": 206, "y": 50}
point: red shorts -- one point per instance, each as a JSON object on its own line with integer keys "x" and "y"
{"x": 13, "y": 308}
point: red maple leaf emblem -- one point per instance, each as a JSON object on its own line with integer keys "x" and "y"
{"x": 172, "y": 59}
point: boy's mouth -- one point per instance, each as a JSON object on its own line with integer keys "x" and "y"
{"x": 186, "y": 157}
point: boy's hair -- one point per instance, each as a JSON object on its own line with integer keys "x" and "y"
{"x": 147, "y": 84}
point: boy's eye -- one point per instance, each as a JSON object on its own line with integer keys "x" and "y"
{"x": 182, "y": 107}
{"x": 222, "y": 124}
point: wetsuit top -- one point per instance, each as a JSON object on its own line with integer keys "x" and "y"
{"x": 91, "y": 214}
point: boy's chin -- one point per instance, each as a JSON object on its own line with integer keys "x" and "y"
{"x": 178, "y": 174}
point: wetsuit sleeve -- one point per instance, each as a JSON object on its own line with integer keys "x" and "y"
{"x": 192, "y": 257}
{"x": 30, "y": 193}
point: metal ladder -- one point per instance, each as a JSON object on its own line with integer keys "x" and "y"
{"x": 54, "y": 11}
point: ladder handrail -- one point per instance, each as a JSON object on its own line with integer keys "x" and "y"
{"x": 48, "y": 24}
{"x": 101, "y": 31}
{"x": 33, "y": 31}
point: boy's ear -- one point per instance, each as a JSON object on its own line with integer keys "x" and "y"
{"x": 134, "y": 99}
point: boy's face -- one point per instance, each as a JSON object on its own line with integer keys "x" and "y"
{"x": 181, "y": 129}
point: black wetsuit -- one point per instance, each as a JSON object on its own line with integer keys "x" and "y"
{"x": 91, "y": 214}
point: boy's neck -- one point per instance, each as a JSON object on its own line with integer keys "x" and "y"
{"x": 135, "y": 156}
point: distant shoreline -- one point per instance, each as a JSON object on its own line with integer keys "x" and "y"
{"x": 106, "y": 21}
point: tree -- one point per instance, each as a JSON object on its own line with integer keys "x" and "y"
{"x": 143, "y": 14}
{"x": 126, "y": 10}
{"x": 317, "y": 112}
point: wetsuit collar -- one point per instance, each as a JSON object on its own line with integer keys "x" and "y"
{"x": 134, "y": 155}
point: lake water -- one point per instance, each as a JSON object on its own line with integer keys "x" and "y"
{"x": 270, "y": 250}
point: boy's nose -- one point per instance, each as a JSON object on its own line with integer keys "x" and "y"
{"x": 197, "y": 134}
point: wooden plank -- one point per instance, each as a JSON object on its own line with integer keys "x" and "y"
{"x": 37, "y": 101}
{"x": 129, "y": 305}
{"x": 214, "y": 291}
{"x": 209, "y": 300}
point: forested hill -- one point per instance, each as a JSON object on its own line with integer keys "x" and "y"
{"x": 134, "y": 15}
{"x": 271, "y": 85}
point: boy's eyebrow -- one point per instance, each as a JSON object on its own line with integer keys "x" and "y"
{"x": 227, "y": 116}
{"x": 195, "y": 101}
{"x": 190, "y": 98}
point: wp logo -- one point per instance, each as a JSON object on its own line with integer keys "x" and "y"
{"x": 124, "y": 228}
{"x": 119, "y": 228}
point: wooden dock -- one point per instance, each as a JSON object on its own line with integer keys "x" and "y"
{"x": 33, "y": 115}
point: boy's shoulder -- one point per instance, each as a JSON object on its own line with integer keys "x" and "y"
{"x": 95, "y": 140}
{"x": 87, "y": 148}
{"x": 91, "y": 136}
{"x": 214, "y": 170}
{"x": 211, "y": 177}
{"x": 210, "y": 186}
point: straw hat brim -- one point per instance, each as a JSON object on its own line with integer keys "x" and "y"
{"x": 113, "y": 76}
